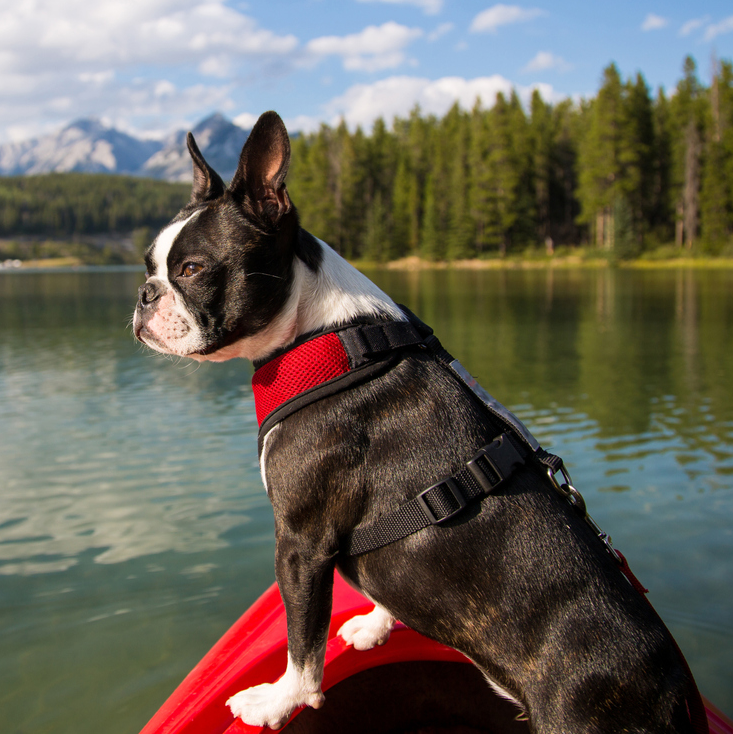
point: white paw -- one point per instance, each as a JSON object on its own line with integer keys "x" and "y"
{"x": 368, "y": 630}
{"x": 271, "y": 704}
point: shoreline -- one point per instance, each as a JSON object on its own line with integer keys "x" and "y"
{"x": 414, "y": 263}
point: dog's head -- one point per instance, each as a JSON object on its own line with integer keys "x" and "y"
{"x": 221, "y": 271}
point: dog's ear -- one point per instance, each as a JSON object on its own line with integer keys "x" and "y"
{"x": 207, "y": 184}
{"x": 263, "y": 165}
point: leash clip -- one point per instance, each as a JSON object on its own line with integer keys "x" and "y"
{"x": 575, "y": 499}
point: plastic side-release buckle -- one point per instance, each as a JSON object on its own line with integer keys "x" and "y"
{"x": 440, "y": 498}
{"x": 501, "y": 457}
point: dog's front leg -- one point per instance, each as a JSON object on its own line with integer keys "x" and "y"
{"x": 305, "y": 578}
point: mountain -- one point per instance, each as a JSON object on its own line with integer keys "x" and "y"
{"x": 219, "y": 140}
{"x": 85, "y": 145}
{"x": 89, "y": 146}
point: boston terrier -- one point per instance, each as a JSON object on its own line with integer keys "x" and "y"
{"x": 515, "y": 578}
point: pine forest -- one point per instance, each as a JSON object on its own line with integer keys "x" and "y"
{"x": 623, "y": 174}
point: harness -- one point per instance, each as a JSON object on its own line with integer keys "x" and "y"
{"x": 322, "y": 364}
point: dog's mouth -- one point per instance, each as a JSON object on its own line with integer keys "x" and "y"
{"x": 148, "y": 338}
{"x": 145, "y": 335}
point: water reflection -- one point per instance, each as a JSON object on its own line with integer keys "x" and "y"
{"x": 134, "y": 527}
{"x": 104, "y": 446}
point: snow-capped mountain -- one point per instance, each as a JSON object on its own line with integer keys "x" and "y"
{"x": 84, "y": 145}
{"x": 219, "y": 140}
{"x": 89, "y": 146}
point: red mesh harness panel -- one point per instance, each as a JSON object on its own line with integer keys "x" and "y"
{"x": 296, "y": 371}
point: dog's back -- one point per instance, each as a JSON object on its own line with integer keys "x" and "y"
{"x": 518, "y": 582}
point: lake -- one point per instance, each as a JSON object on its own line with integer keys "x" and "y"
{"x": 134, "y": 528}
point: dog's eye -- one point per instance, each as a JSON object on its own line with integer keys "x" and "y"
{"x": 190, "y": 269}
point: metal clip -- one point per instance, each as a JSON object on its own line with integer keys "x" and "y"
{"x": 574, "y": 497}
{"x": 563, "y": 489}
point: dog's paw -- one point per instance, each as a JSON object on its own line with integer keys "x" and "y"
{"x": 368, "y": 630}
{"x": 271, "y": 704}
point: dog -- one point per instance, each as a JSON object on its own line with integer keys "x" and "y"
{"x": 516, "y": 580}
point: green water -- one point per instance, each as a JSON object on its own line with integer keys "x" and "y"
{"x": 134, "y": 529}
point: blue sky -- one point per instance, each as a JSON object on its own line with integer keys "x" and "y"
{"x": 153, "y": 66}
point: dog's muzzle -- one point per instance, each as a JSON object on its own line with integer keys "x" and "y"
{"x": 149, "y": 293}
{"x": 148, "y": 297}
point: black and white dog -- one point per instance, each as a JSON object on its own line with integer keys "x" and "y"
{"x": 517, "y": 581}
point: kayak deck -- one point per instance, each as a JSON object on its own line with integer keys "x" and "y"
{"x": 410, "y": 685}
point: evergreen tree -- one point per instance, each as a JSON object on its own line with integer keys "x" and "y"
{"x": 431, "y": 234}
{"x": 312, "y": 185}
{"x": 503, "y": 174}
{"x": 523, "y": 230}
{"x": 541, "y": 142}
{"x": 459, "y": 234}
{"x": 635, "y": 156}
{"x": 413, "y": 138}
{"x": 661, "y": 212}
{"x": 716, "y": 213}
{"x": 479, "y": 180}
{"x": 599, "y": 160}
{"x": 687, "y": 112}
{"x": 377, "y": 245}
{"x": 350, "y": 179}
{"x": 403, "y": 196}
{"x": 626, "y": 241}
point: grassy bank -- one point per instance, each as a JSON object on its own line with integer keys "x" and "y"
{"x": 54, "y": 254}
{"x": 576, "y": 258}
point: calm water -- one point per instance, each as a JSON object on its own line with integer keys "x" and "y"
{"x": 134, "y": 529}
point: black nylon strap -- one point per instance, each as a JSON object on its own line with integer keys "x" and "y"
{"x": 551, "y": 461}
{"x": 445, "y": 499}
{"x": 367, "y": 342}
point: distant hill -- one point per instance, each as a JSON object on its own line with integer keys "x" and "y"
{"x": 218, "y": 139}
{"x": 88, "y": 146}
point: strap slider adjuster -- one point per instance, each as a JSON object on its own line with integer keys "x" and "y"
{"x": 444, "y": 501}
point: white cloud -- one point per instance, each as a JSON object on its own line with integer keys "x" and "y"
{"x": 48, "y": 102}
{"x": 492, "y": 18}
{"x": 653, "y": 22}
{"x": 217, "y": 65}
{"x": 373, "y": 49}
{"x": 62, "y": 59}
{"x": 693, "y": 25}
{"x": 302, "y": 123}
{"x": 62, "y": 34}
{"x": 396, "y": 96}
{"x": 246, "y": 120}
{"x": 718, "y": 29}
{"x": 429, "y": 7}
{"x": 544, "y": 60}
{"x": 440, "y": 31}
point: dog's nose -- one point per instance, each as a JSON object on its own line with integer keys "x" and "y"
{"x": 149, "y": 293}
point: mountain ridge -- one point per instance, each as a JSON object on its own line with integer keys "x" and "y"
{"x": 87, "y": 145}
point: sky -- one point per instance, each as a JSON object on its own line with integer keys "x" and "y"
{"x": 149, "y": 67}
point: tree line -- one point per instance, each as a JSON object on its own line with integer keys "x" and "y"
{"x": 73, "y": 215}
{"x": 75, "y": 205}
{"x": 624, "y": 172}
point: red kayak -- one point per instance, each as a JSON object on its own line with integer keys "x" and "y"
{"x": 410, "y": 685}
